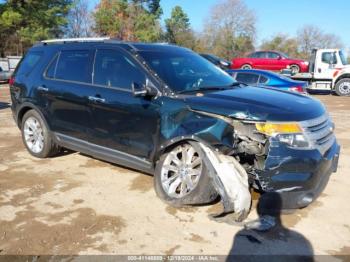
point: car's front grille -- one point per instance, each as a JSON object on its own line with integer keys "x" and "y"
{"x": 320, "y": 132}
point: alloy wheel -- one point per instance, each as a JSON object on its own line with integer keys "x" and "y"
{"x": 33, "y": 135}
{"x": 181, "y": 171}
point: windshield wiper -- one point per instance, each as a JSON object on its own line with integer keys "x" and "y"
{"x": 210, "y": 88}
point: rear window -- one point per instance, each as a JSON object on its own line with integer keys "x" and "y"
{"x": 247, "y": 78}
{"x": 29, "y": 62}
{"x": 73, "y": 66}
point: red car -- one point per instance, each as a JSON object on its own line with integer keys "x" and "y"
{"x": 270, "y": 60}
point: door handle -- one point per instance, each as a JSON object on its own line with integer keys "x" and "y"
{"x": 43, "y": 89}
{"x": 96, "y": 99}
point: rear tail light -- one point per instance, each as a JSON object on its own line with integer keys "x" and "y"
{"x": 298, "y": 89}
{"x": 12, "y": 80}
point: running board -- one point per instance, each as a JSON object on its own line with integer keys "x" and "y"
{"x": 104, "y": 153}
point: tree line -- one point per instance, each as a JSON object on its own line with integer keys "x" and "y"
{"x": 229, "y": 30}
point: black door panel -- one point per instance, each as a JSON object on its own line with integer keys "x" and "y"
{"x": 125, "y": 123}
{"x": 68, "y": 108}
{"x": 68, "y": 87}
{"x": 121, "y": 121}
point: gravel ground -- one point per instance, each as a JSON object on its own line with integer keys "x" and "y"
{"x": 73, "y": 204}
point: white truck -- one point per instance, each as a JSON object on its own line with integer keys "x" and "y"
{"x": 328, "y": 70}
{"x": 7, "y": 66}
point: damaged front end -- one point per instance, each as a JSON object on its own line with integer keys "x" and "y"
{"x": 293, "y": 159}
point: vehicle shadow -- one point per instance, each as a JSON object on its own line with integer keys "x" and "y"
{"x": 4, "y": 105}
{"x": 266, "y": 239}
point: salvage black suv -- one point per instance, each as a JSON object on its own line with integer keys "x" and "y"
{"x": 166, "y": 111}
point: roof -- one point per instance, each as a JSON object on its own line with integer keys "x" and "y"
{"x": 137, "y": 46}
{"x": 258, "y": 71}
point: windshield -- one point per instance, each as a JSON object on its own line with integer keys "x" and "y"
{"x": 185, "y": 71}
{"x": 343, "y": 58}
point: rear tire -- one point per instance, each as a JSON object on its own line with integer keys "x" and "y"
{"x": 36, "y": 136}
{"x": 295, "y": 69}
{"x": 246, "y": 67}
{"x": 342, "y": 87}
{"x": 181, "y": 181}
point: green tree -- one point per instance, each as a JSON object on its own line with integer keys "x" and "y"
{"x": 128, "y": 20}
{"x": 25, "y": 22}
{"x": 282, "y": 43}
{"x": 178, "y": 29}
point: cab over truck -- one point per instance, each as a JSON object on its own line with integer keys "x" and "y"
{"x": 328, "y": 70}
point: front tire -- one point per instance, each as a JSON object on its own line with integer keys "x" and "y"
{"x": 342, "y": 87}
{"x": 181, "y": 177}
{"x": 36, "y": 136}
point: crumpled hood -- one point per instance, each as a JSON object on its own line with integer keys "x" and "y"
{"x": 257, "y": 103}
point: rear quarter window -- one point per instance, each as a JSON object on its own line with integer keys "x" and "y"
{"x": 29, "y": 62}
{"x": 263, "y": 80}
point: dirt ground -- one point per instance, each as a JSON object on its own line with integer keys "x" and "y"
{"x": 74, "y": 204}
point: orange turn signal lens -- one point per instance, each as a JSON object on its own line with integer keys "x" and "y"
{"x": 272, "y": 129}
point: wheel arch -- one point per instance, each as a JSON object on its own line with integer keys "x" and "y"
{"x": 340, "y": 77}
{"x": 25, "y": 107}
{"x": 172, "y": 143}
{"x": 247, "y": 63}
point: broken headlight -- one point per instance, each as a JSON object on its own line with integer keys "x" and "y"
{"x": 294, "y": 140}
{"x": 288, "y": 133}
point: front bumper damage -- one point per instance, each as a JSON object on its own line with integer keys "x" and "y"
{"x": 298, "y": 176}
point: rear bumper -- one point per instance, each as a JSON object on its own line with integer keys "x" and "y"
{"x": 299, "y": 178}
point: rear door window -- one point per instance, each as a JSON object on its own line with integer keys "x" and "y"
{"x": 29, "y": 62}
{"x": 74, "y": 65}
{"x": 254, "y": 55}
{"x": 247, "y": 78}
{"x": 114, "y": 69}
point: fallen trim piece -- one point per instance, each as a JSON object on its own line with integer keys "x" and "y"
{"x": 231, "y": 182}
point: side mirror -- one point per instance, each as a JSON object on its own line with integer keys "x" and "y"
{"x": 279, "y": 57}
{"x": 142, "y": 90}
{"x": 224, "y": 63}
